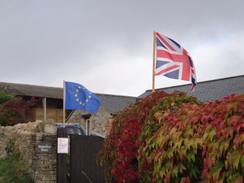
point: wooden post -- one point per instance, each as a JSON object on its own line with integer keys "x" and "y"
{"x": 61, "y": 159}
{"x": 64, "y": 98}
{"x": 44, "y": 102}
{"x": 153, "y": 65}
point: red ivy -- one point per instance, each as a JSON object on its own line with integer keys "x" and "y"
{"x": 121, "y": 146}
{"x": 216, "y": 129}
{"x": 16, "y": 110}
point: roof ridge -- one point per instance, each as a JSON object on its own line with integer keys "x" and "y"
{"x": 230, "y": 77}
{"x": 114, "y": 95}
{"x": 7, "y": 83}
{"x": 33, "y": 85}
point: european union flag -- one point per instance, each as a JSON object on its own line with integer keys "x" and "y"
{"x": 78, "y": 97}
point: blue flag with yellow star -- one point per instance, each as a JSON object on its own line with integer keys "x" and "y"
{"x": 78, "y": 97}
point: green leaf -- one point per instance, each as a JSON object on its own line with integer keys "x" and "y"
{"x": 175, "y": 172}
{"x": 197, "y": 143}
{"x": 216, "y": 169}
{"x": 242, "y": 162}
{"x": 212, "y": 134}
{"x": 190, "y": 155}
{"x": 235, "y": 159}
{"x": 178, "y": 144}
{"x": 176, "y": 135}
{"x": 189, "y": 131}
{"x": 226, "y": 164}
{"x": 223, "y": 146}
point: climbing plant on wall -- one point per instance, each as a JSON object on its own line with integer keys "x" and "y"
{"x": 5, "y": 96}
{"x": 215, "y": 129}
{"x": 16, "y": 110}
{"x": 175, "y": 138}
{"x": 121, "y": 146}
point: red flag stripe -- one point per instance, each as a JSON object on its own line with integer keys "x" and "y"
{"x": 167, "y": 69}
{"x": 164, "y": 54}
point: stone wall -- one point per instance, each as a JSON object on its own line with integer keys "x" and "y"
{"x": 26, "y": 137}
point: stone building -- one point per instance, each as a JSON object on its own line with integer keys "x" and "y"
{"x": 50, "y": 105}
{"x": 51, "y": 100}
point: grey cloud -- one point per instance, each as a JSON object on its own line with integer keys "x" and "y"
{"x": 83, "y": 40}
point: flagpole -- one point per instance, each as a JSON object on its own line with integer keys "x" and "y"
{"x": 64, "y": 99}
{"x": 153, "y": 65}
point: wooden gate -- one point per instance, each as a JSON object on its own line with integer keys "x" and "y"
{"x": 83, "y": 166}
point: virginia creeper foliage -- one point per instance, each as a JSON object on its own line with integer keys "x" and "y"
{"x": 175, "y": 138}
{"x": 121, "y": 146}
{"x": 15, "y": 111}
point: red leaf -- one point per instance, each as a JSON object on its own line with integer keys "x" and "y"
{"x": 185, "y": 180}
{"x": 239, "y": 126}
{"x": 239, "y": 140}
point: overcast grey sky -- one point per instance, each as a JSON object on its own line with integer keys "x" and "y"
{"x": 107, "y": 45}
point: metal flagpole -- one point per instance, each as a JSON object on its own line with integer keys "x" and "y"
{"x": 64, "y": 99}
{"x": 153, "y": 65}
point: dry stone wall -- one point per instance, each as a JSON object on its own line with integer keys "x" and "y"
{"x": 36, "y": 144}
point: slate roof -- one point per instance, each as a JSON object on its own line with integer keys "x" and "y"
{"x": 209, "y": 90}
{"x": 205, "y": 91}
{"x": 115, "y": 103}
{"x": 33, "y": 90}
{"x": 112, "y": 103}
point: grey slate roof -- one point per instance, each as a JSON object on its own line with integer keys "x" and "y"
{"x": 33, "y": 90}
{"x": 113, "y": 103}
{"x": 209, "y": 90}
{"x": 205, "y": 91}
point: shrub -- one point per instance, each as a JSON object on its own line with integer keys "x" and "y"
{"x": 12, "y": 151}
{"x": 198, "y": 143}
{"x": 121, "y": 146}
{"x": 173, "y": 153}
{"x": 16, "y": 111}
{"x": 175, "y": 138}
{"x": 5, "y": 96}
{"x": 223, "y": 147}
{"x": 163, "y": 134}
{"x": 13, "y": 171}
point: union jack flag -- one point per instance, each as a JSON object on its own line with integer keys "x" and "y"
{"x": 173, "y": 61}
